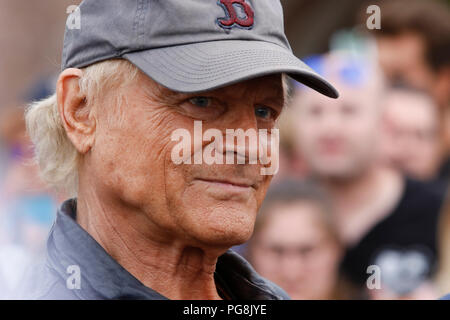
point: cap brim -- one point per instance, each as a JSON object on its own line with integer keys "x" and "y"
{"x": 206, "y": 66}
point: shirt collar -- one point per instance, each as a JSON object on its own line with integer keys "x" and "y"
{"x": 103, "y": 278}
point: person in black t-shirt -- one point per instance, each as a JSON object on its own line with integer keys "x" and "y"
{"x": 403, "y": 245}
{"x": 387, "y": 223}
{"x": 410, "y": 132}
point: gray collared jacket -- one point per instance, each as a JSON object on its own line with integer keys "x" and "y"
{"x": 77, "y": 267}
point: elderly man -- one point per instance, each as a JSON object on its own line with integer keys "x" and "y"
{"x": 141, "y": 225}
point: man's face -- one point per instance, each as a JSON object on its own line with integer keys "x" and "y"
{"x": 337, "y": 137}
{"x": 199, "y": 203}
{"x": 297, "y": 251}
{"x": 402, "y": 59}
{"x": 411, "y": 134}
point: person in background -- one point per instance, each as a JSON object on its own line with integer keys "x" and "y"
{"x": 411, "y": 133}
{"x": 381, "y": 217}
{"x": 27, "y": 205}
{"x": 414, "y": 49}
{"x": 17, "y": 179}
{"x": 292, "y": 166}
{"x": 295, "y": 242}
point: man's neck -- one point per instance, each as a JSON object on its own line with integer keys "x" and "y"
{"x": 162, "y": 263}
{"x": 352, "y": 192}
{"x": 363, "y": 200}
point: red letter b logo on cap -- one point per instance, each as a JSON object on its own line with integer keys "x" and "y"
{"x": 233, "y": 19}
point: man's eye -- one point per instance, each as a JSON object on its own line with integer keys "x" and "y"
{"x": 202, "y": 102}
{"x": 202, "y": 108}
{"x": 316, "y": 111}
{"x": 264, "y": 112}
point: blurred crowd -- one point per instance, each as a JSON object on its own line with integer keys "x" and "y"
{"x": 27, "y": 205}
{"x": 359, "y": 208}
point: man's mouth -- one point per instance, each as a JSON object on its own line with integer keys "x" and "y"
{"x": 230, "y": 184}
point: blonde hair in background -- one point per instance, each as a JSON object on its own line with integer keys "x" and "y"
{"x": 54, "y": 152}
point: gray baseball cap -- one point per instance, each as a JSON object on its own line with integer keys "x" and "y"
{"x": 188, "y": 45}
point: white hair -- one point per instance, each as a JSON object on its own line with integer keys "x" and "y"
{"x": 54, "y": 152}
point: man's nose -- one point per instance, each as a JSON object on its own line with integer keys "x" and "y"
{"x": 241, "y": 136}
{"x": 331, "y": 122}
{"x": 242, "y": 118}
{"x": 292, "y": 267}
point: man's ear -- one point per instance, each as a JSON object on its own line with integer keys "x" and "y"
{"x": 77, "y": 119}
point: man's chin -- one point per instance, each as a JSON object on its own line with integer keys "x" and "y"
{"x": 223, "y": 223}
{"x": 224, "y": 241}
{"x": 226, "y": 234}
